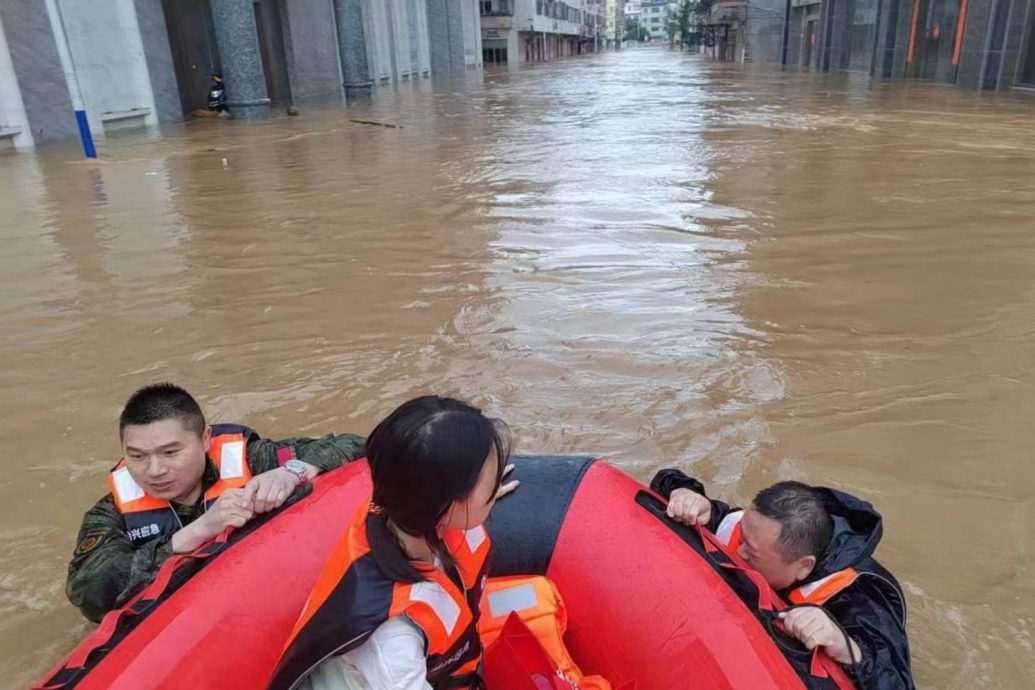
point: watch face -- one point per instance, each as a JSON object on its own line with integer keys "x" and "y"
{"x": 295, "y": 467}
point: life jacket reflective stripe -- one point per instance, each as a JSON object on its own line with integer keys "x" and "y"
{"x": 352, "y": 598}
{"x": 147, "y": 517}
{"x": 823, "y": 589}
{"x": 230, "y": 453}
{"x": 539, "y": 605}
{"x": 730, "y": 533}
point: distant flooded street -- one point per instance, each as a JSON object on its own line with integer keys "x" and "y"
{"x": 751, "y": 275}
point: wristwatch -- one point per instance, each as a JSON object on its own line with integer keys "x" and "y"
{"x": 297, "y": 468}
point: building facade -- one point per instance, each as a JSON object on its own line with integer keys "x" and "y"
{"x": 614, "y": 23}
{"x": 974, "y": 44}
{"x": 655, "y": 15}
{"x": 632, "y": 11}
{"x": 137, "y": 63}
{"x": 530, "y": 31}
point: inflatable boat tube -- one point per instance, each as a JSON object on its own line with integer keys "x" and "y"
{"x": 652, "y": 606}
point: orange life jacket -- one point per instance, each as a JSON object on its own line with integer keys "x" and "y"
{"x": 148, "y": 518}
{"x": 539, "y": 605}
{"x": 818, "y": 592}
{"x": 352, "y": 597}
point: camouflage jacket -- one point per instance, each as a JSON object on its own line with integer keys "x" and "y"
{"x": 107, "y": 570}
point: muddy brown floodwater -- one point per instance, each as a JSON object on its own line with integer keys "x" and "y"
{"x": 750, "y": 275}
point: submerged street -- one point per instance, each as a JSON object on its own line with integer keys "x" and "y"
{"x": 748, "y": 274}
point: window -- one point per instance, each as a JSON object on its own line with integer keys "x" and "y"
{"x": 495, "y": 8}
{"x": 539, "y": 6}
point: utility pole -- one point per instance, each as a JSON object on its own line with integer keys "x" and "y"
{"x": 619, "y": 23}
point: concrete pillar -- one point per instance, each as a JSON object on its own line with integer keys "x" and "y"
{"x": 841, "y": 34}
{"x": 14, "y": 123}
{"x": 311, "y": 51}
{"x": 396, "y": 40}
{"x": 378, "y": 40}
{"x": 995, "y": 42}
{"x": 419, "y": 30}
{"x": 826, "y": 36}
{"x": 438, "y": 37}
{"x": 1013, "y": 48}
{"x": 129, "y": 24}
{"x": 446, "y": 36}
{"x": 905, "y": 16}
{"x": 37, "y": 68}
{"x": 352, "y": 44}
{"x": 238, "y": 41}
{"x": 455, "y": 17}
{"x": 155, "y": 37}
{"x": 795, "y": 31}
{"x": 972, "y": 51}
{"x": 472, "y": 35}
{"x": 888, "y": 18}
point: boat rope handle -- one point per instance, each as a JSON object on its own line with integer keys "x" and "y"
{"x": 77, "y": 663}
{"x": 848, "y": 639}
{"x": 769, "y": 602}
{"x": 766, "y": 600}
{"x": 137, "y": 605}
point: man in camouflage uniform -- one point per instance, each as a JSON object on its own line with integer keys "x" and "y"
{"x": 170, "y": 493}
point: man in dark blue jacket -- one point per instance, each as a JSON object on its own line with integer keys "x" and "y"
{"x": 815, "y": 547}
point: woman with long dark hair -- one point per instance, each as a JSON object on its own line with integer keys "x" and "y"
{"x": 396, "y": 607}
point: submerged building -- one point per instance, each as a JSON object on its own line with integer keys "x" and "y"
{"x": 974, "y": 44}
{"x": 130, "y": 63}
{"x": 529, "y": 31}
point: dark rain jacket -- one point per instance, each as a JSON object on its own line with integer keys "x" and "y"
{"x": 107, "y": 570}
{"x": 872, "y": 609}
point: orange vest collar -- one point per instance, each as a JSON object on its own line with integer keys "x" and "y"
{"x": 824, "y": 589}
{"x": 819, "y": 592}
{"x": 730, "y": 530}
{"x": 231, "y": 459}
{"x": 436, "y": 605}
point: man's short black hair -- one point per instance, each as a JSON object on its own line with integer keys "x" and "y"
{"x": 806, "y": 526}
{"x": 162, "y": 401}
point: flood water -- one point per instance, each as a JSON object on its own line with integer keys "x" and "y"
{"x": 750, "y": 275}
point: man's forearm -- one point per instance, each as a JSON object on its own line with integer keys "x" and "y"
{"x": 189, "y": 538}
{"x": 324, "y": 453}
{"x": 667, "y": 481}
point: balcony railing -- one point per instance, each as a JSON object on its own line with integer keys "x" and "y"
{"x": 556, "y": 9}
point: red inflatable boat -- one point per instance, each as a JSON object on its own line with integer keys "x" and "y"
{"x": 652, "y": 605}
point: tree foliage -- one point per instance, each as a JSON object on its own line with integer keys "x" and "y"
{"x": 681, "y": 23}
{"x": 634, "y": 31}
